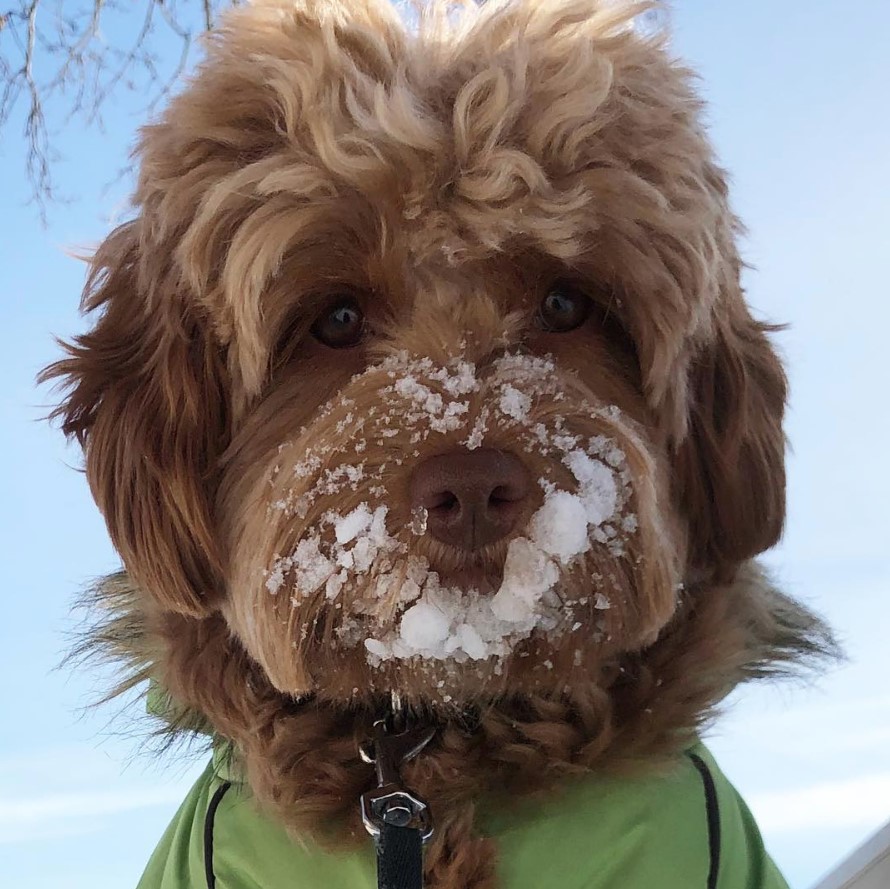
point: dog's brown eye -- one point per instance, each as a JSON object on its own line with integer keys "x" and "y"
{"x": 564, "y": 308}
{"x": 340, "y": 326}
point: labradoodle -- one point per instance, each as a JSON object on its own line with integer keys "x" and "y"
{"x": 422, "y": 388}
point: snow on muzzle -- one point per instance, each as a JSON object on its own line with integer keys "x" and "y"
{"x": 389, "y": 599}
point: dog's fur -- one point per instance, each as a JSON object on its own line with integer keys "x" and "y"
{"x": 445, "y": 174}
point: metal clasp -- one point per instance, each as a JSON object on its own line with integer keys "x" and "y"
{"x": 390, "y": 802}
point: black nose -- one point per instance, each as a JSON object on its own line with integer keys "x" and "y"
{"x": 472, "y": 498}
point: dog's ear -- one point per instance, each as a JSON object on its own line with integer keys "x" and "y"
{"x": 730, "y": 469}
{"x": 145, "y": 399}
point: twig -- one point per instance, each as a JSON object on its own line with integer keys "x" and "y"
{"x": 59, "y": 48}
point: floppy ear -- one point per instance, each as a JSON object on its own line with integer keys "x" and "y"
{"x": 730, "y": 469}
{"x": 145, "y": 399}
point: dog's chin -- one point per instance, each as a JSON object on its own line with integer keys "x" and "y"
{"x": 537, "y": 667}
{"x": 338, "y": 664}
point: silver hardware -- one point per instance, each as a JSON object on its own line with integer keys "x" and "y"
{"x": 390, "y": 802}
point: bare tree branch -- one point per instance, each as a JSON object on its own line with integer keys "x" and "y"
{"x": 62, "y": 61}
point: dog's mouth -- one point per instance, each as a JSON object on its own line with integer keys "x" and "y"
{"x": 478, "y": 575}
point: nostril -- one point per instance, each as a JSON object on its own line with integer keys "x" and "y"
{"x": 503, "y": 494}
{"x": 442, "y": 502}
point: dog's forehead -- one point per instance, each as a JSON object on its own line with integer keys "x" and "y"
{"x": 462, "y": 140}
{"x": 306, "y": 154}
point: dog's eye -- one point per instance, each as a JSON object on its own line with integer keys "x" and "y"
{"x": 340, "y": 326}
{"x": 564, "y": 308}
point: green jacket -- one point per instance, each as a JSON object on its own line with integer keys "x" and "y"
{"x": 684, "y": 830}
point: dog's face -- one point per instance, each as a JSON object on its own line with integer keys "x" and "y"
{"x": 451, "y": 494}
{"x": 425, "y": 363}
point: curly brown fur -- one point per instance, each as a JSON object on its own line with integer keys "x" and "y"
{"x": 445, "y": 179}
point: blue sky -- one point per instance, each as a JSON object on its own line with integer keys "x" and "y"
{"x": 796, "y": 92}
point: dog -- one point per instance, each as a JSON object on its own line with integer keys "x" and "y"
{"x": 422, "y": 392}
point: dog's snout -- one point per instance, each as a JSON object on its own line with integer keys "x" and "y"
{"x": 472, "y": 498}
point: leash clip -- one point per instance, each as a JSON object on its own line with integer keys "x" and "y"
{"x": 390, "y": 803}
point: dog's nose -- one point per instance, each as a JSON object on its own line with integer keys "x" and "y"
{"x": 472, "y": 498}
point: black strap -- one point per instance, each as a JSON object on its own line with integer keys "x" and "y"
{"x": 399, "y": 858}
{"x": 712, "y": 809}
{"x": 210, "y": 817}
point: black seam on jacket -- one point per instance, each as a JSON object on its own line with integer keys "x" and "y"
{"x": 215, "y": 800}
{"x": 712, "y": 808}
